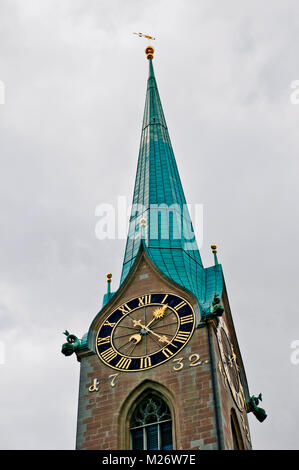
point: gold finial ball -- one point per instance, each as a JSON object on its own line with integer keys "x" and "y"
{"x": 109, "y": 277}
{"x": 214, "y": 248}
{"x": 143, "y": 222}
{"x": 149, "y": 50}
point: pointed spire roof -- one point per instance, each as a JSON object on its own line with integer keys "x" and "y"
{"x": 160, "y": 218}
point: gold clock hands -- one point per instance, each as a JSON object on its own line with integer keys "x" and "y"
{"x": 164, "y": 334}
{"x": 157, "y": 314}
{"x": 138, "y": 323}
{"x": 135, "y": 338}
{"x": 234, "y": 356}
{"x": 232, "y": 360}
{"x": 163, "y": 338}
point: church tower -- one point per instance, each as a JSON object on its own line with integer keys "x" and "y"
{"x": 160, "y": 365}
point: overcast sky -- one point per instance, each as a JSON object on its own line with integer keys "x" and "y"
{"x": 75, "y": 80}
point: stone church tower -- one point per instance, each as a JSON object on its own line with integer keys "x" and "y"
{"x": 160, "y": 365}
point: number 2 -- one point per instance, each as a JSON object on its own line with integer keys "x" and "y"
{"x": 194, "y": 360}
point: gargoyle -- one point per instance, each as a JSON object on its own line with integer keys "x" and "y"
{"x": 72, "y": 344}
{"x": 217, "y": 308}
{"x": 258, "y": 412}
{"x": 211, "y": 311}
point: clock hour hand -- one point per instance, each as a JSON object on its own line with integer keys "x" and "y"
{"x": 135, "y": 338}
{"x": 162, "y": 338}
{"x": 157, "y": 314}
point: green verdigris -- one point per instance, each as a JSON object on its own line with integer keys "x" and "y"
{"x": 258, "y": 412}
{"x": 72, "y": 344}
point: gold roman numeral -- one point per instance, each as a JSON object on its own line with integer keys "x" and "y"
{"x": 109, "y": 354}
{"x": 180, "y": 305}
{"x": 167, "y": 353}
{"x": 145, "y": 362}
{"x": 144, "y": 300}
{"x": 182, "y": 337}
{"x": 124, "y": 309}
{"x": 107, "y": 323}
{"x": 187, "y": 319}
{"x": 103, "y": 340}
{"x": 124, "y": 363}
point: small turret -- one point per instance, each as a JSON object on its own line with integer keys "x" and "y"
{"x": 214, "y": 251}
{"x": 109, "y": 279}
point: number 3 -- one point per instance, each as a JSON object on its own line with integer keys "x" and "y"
{"x": 179, "y": 363}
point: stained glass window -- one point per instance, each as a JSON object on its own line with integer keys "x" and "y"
{"x": 151, "y": 425}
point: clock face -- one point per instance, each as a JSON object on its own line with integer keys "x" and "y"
{"x": 230, "y": 365}
{"x": 145, "y": 332}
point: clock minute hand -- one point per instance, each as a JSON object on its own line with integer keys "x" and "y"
{"x": 163, "y": 338}
{"x": 150, "y": 323}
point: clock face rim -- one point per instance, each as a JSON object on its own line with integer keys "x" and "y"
{"x": 238, "y": 395}
{"x": 234, "y": 376}
{"x": 179, "y": 300}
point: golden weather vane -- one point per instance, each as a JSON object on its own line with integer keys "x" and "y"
{"x": 149, "y": 50}
{"x": 146, "y": 36}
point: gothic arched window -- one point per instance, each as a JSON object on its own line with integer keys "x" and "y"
{"x": 151, "y": 425}
{"x": 236, "y": 433}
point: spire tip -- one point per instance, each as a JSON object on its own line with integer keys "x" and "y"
{"x": 149, "y": 51}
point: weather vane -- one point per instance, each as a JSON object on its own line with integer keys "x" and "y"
{"x": 149, "y": 50}
{"x": 146, "y": 36}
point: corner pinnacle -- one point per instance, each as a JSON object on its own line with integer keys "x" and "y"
{"x": 214, "y": 251}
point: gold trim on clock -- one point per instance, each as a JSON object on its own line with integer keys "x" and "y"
{"x": 145, "y": 332}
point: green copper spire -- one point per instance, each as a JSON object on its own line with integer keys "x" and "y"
{"x": 159, "y": 203}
